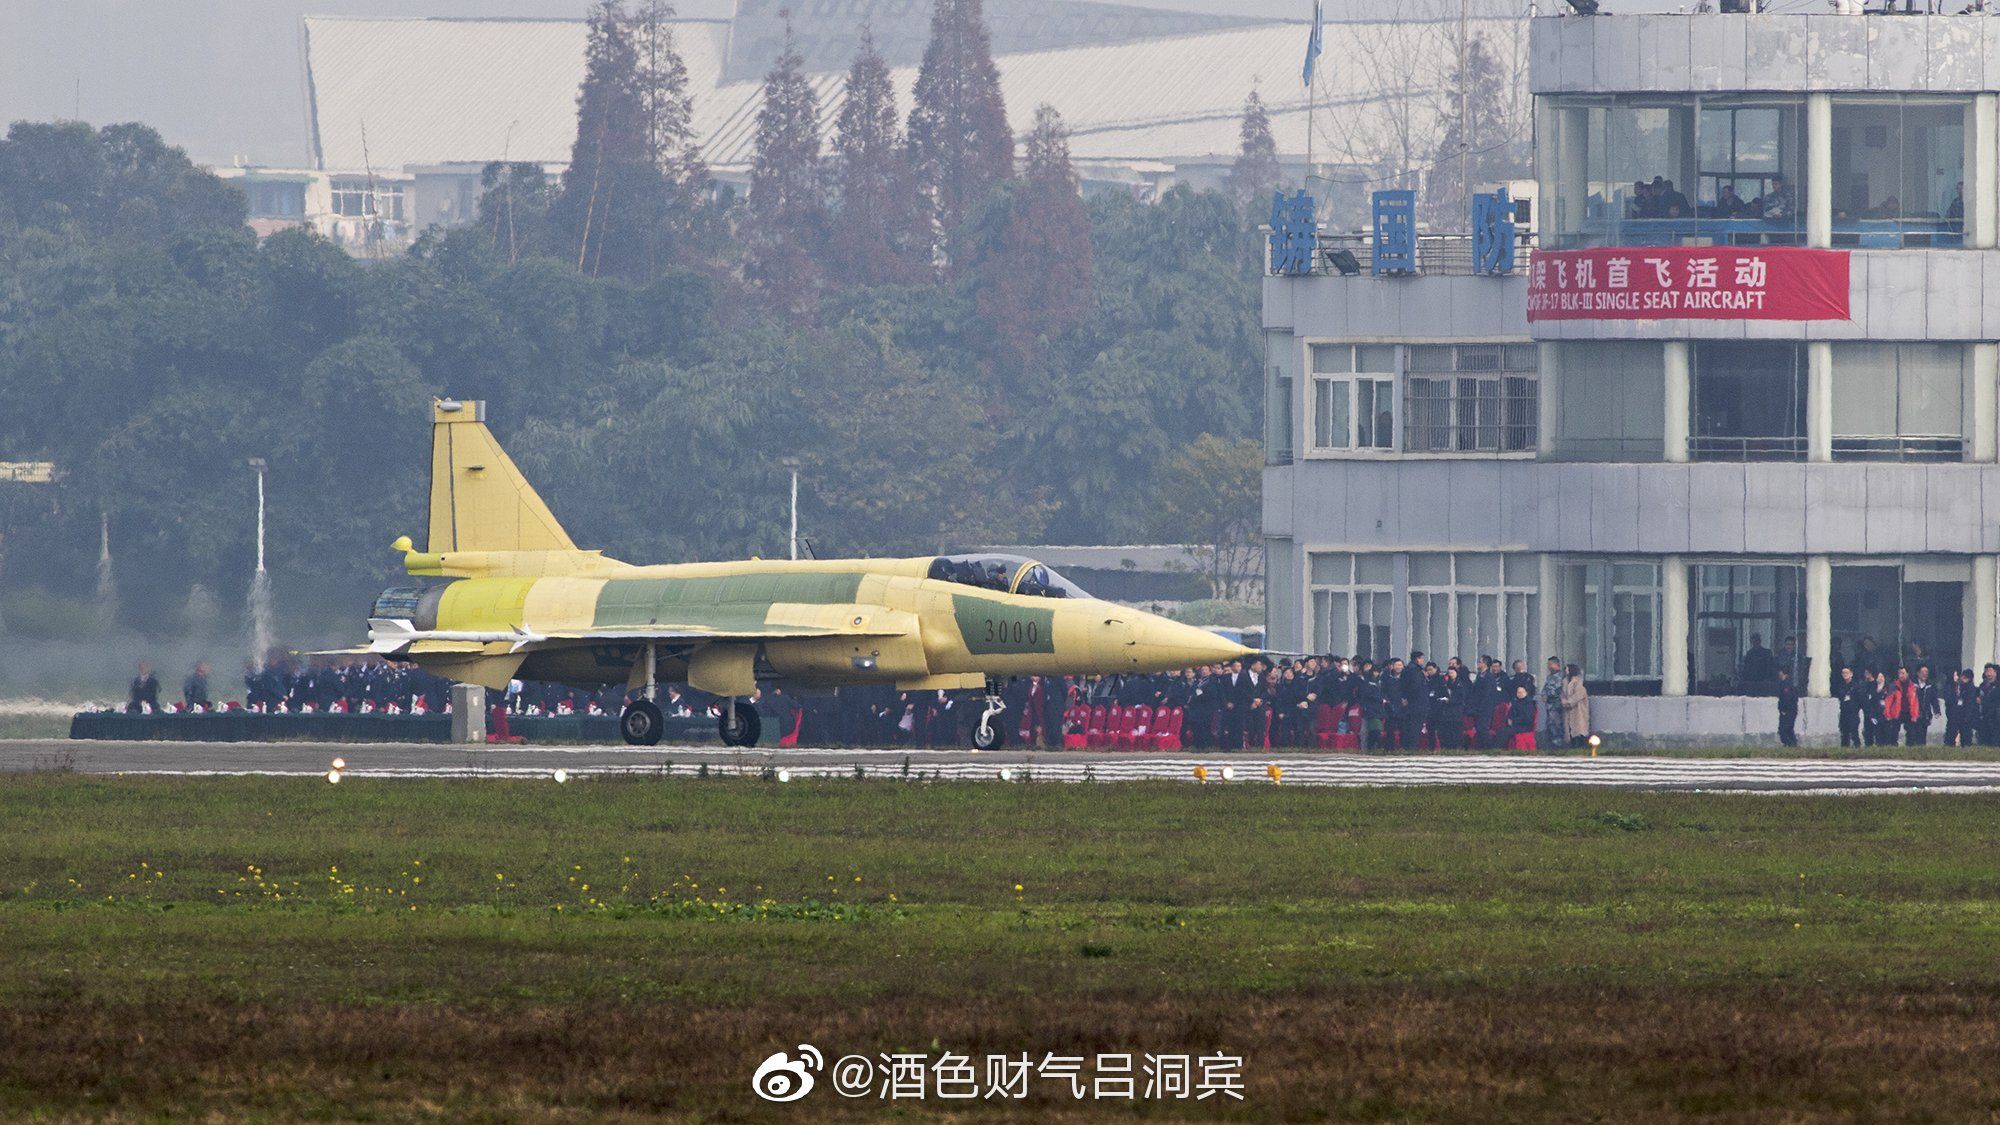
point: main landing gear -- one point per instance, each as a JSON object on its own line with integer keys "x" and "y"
{"x": 738, "y": 724}
{"x": 988, "y": 735}
{"x": 642, "y": 721}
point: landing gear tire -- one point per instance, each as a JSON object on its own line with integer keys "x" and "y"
{"x": 988, "y": 735}
{"x": 738, "y": 724}
{"x": 642, "y": 723}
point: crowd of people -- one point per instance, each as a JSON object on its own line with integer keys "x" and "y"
{"x": 1880, "y": 707}
{"x": 1323, "y": 702}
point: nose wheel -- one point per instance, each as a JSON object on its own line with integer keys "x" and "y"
{"x": 989, "y": 735}
{"x": 738, "y": 724}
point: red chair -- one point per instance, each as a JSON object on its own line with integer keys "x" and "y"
{"x": 1076, "y": 726}
{"x": 1138, "y": 728}
{"x": 1116, "y": 719}
{"x": 1094, "y": 733}
{"x": 1167, "y": 728}
{"x": 1325, "y": 725}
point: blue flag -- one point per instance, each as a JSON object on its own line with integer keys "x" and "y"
{"x": 1313, "y": 44}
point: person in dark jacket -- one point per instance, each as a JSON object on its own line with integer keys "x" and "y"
{"x": 194, "y": 689}
{"x": 1961, "y": 709}
{"x": 1521, "y": 719}
{"x": 1233, "y": 694}
{"x": 144, "y": 693}
{"x": 1788, "y": 708}
{"x": 1847, "y": 692}
{"x": 1989, "y": 705}
{"x": 1924, "y": 707}
{"x": 1494, "y": 702}
{"x": 1416, "y": 691}
{"x": 1448, "y": 695}
{"x": 1198, "y": 724}
{"x": 1395, "y": 705}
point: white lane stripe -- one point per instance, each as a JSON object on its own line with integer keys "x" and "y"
{"x": 1079, "y": 773}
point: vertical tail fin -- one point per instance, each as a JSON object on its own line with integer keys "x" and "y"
{"x": 479, "y": 500}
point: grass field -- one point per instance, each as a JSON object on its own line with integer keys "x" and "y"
{"x": 625, "y": 949}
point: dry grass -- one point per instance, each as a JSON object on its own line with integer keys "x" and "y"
{"x": 1366, "y": 1053}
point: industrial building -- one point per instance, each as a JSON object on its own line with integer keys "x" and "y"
{"x": 1734, "y": 410}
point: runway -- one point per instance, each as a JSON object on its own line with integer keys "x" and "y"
{"x": 410, "y": 760}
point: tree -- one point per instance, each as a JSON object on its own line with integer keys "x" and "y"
{"x": 514, "y": 203}
{"x": 787, "y": 192}
{"x": 872, "y": 244}
{"x": 1255, "y": 174}
{"x": 1036, "y": 284}
{"x": 630, "y": 203}
{"x": 689, "y": 228}
{"x": 120, "y": 180}
{"x": 1210, "y": 497}
{"x": 959, "y": 142}
{"x": 1487, "y": 137}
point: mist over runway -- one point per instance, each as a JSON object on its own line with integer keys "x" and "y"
{"x": 385, "y": 761}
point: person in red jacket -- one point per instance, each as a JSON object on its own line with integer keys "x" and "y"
{"x": 1899, "y": 706}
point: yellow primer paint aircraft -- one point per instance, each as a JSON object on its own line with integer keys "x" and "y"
{"x": 528, "y": 603}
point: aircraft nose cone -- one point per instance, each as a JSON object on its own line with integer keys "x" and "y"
{"x": 1161, "y": 645}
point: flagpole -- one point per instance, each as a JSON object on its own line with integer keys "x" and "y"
{"x": 1312, "y": 71}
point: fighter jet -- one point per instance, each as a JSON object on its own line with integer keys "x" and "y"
{"x": 523, "y": 601}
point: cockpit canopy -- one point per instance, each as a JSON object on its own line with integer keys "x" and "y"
{"x": 1008, "y": 574}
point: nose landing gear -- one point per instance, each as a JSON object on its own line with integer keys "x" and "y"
{"x": 988, "y": 735}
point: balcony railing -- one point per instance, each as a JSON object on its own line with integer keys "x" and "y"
{"x": 1437, "y": 254}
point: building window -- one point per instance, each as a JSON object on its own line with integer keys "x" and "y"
{"x": 1749, "y": 402}
{"x": 1899, "y": 171}
{"x": 1473, "y": 605}
{"x": 277, "y": 201}
{"x": 1899, "y": 402}
{"x": 1652, "y": 170}
{"x": 1469, "y": 398}
{"x": 1899, "y": 616}
{"x": 1609, "y": 618}
{"x": 1746, "y": 622}
{"x": 1277, "y": 416}
{"x": 1353, "y": 600}
{"x": 1354, "y": 397}
{"x": 368, "y": 199}
{"x": 1610, "y": 399}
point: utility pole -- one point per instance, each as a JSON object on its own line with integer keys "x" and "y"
{"x": 792, "y": 463}
{"x": 1464, "y": 117}
{"x": 257, "y": 465}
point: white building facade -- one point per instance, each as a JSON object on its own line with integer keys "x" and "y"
{"x": 1678, "y": 504}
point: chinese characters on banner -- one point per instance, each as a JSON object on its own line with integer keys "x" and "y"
{"x": 1688, "y": 282}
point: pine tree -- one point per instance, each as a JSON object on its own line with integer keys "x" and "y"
{"x": 608, "y": 146}
{"x": 667, "y": 108}
{"x": 959, "y": 142}
{"x": 1255, "y": 174}
{"x": 631, "y": 198}
{"x": 872, "y": 244}
{"x": 787, "y": 202}
{"x": 1036, "y": 284}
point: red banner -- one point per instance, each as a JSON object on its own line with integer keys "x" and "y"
{"x": 1688, "y": 283}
